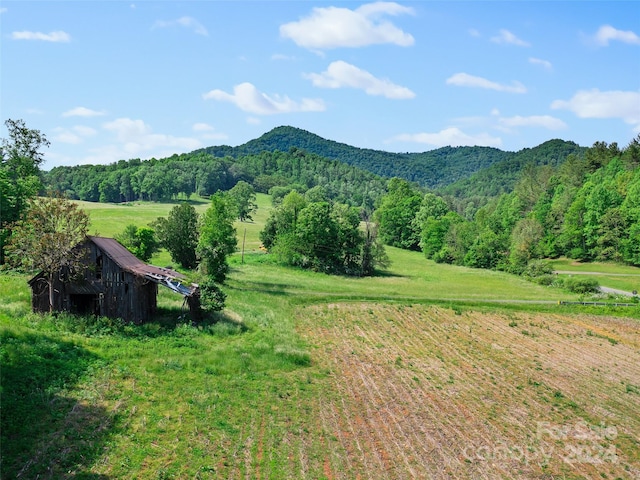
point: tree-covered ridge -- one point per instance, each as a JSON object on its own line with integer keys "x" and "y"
{"x": 287, "y": 155}
{"x": 435, "y": 168}
{"x": 203, "y": 174}
{"x": 586, "y": 207}
{"x": 501, "y": 176}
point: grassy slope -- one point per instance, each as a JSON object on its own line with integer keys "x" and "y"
{"x": 239, "y": 398}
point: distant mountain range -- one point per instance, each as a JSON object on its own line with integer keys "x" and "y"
{"x": 451, "y": 169}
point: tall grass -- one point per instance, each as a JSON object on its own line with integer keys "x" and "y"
{"x": 82, "y": 385}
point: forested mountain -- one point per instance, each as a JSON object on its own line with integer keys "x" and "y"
{"x": 501, "y": 176}
{"x": 435, "y": 168}
{"x": 288, "y": 155}
{"x": 504, "y": 210}
{"x": 585, "y": 207}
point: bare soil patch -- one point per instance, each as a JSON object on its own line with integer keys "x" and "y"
{"x": 428, "y": 392}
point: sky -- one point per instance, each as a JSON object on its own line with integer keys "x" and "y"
{"x": 116, "y": 80}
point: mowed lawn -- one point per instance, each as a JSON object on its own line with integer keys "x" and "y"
{"x": 426, "y": 371}
{"x": 109, "y": 219}
{"x": 612, "y": 275}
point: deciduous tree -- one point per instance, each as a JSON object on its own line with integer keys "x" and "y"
{"x": 20, "y": 160}
{"x": 243, "y": 200}
{"x": 396, "y": 214}
{"x": 217, "y": 238}
{"x": 141, "y": 241}
{"x": 47, "y": 239}
{"x": 179, "y": 234}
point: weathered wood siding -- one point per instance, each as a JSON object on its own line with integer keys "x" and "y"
{"x": 104, "y": 288}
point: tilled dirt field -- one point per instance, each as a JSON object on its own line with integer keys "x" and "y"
{"x": 429, "y": 392}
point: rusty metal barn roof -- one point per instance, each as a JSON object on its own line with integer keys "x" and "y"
{"x": 129, "y": 262}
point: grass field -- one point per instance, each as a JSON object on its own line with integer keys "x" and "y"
{"x": 427, "y": 371}
{"x": 620, "y": 277}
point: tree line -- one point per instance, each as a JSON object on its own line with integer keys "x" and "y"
{"x": 180, "y": 176}
{"x": 586, "y": 208}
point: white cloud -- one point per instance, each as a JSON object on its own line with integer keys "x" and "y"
{"x": 596, "y": 104}
{"x": 82, "y": 112}
{"x": 208, "y": 132}
{"x": 342, "y": 74}
{"x": 248, "y": 98}
{"x": 84, "y": 131}
{"x": 543, "y": 121}
{"x": 202, "y": 127}
{"x": 451, "y": 136}
{"x": 474, "y": 32}
{"x": 466, "y": 80}
{"x": 127, "y": 129}
{"x": 3, "y": 10}
{"x": 56, "y": 37}
{"x": 253, "y": 121}
{"x": 73, "y": 135}
{"x": 136, "y": 139}
{"x": 506, "y": 37}
{"x": 606, "y": 33}
{"x": 334, "y": 27}
{"x": 543, "y": 63}
{"x": 187, "y": 22}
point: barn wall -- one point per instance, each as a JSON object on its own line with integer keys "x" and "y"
{"x": 40, "y": 295}
{"x": 115, "y": 292}
{"x": 124, "y": 295}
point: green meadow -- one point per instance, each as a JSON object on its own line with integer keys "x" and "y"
{"x": 243, "y": 394}
{"x": 612, "y": 275}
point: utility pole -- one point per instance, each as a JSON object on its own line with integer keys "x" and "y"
{"x": 243, "y": 239}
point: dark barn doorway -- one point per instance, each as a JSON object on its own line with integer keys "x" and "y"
{"x": 84, "y": 304}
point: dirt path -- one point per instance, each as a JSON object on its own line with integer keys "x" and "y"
{"x": 571, "y": 272}
{"x": 615, "y": 291}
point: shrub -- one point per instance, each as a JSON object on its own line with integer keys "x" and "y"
{"x": 582, "y": 285}
{"x": 444, "y": 255}
{"x": 546, "y": 280}
{"x": 211, "y": 297}
{"x": 538, "y": 268}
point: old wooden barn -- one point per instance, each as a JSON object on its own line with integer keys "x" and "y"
{"x": 114, "y": 283}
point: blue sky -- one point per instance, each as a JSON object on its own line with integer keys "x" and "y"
{"x": 112, "y": 80}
